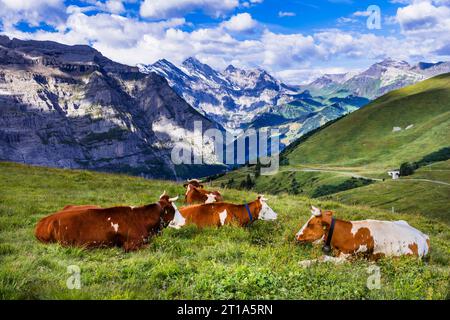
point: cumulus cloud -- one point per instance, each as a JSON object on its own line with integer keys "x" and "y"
{"x": 161, "y": 9}
{"x": 424, "y": 17}
{"x": 240, "y": 22}
{"x": 291, "y": 56}
{"x": 32, "y": 12}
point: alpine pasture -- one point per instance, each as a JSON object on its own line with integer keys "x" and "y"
{"x": 257, "y": 262}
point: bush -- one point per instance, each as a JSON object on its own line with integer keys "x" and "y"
{"x": 408, "y": 168}
{"x": 352, "y": 183}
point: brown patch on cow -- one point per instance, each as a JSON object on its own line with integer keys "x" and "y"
{"x": 204, "y": 215}
{"x": 414, "y": 248}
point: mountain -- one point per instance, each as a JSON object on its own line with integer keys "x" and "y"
{"x": 71, "y": 107}
{"x": 378, "y": 79}
{"x": 232, "y": 98}
{"x": 241, "y": 99}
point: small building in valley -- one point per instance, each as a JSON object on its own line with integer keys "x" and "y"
{"x": 395, "y": 174}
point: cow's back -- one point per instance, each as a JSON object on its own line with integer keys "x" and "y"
{"x": 217, "y": 213}
{"x": 394, "y": 238}
{"x": 88, "y": 226}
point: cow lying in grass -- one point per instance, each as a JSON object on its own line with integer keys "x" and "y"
{"x": 218, "y": 214}
{"x": 370, "y": 238}
{"x": 196, "y": 194}
{"x": 92, "y": 226}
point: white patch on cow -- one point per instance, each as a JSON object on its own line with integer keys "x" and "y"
{"x": 266, "y": 212}
{"x": 362, "y": 248}
{"x": 188, "y": 189}
{"x": 223, "y": 215}
{"x": 115, "y": 226}
{"x": 211, "y": 198}
{"x": 178, "y": 219}
{"x": 300, "y": 232}
{"x": 393, "y": 238}
{"x": 109, "y": 219}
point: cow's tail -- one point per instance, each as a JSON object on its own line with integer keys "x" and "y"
{"x": 45, "y": 230}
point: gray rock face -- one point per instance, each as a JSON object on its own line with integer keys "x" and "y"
{"x": 69, "y": 106}
{"x": 233, "y": 98}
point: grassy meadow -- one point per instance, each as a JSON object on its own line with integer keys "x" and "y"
{"x": 258, "y": 262}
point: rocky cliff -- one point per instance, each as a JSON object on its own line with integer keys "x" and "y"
{"x": 71, "y": 107}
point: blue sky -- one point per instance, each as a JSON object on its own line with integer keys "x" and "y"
{"x": 295, "y": 40}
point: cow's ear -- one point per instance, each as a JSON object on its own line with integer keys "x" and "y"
{"x": 185, "y": 185}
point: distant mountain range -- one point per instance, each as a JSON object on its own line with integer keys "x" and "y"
{"x": 378, "y": 79}
{"x": 241, "y": 99}
{"x": 69, "y": 106}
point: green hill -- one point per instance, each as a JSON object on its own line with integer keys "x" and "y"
{"x": 367, "y": 137}
{"x": 258, "y": 262}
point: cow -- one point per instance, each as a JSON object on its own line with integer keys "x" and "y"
{"x": 371, "y": 238}
{"x": 196, "y": 194}
{"x": 220, "y": 213}
{"x": 92, "y": 226}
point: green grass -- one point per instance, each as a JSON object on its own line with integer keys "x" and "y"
{"x": 258, "y": 262}
{"x": 422, "y": 197}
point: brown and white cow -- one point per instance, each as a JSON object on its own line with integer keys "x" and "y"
{"x": 371, "y": 238}
{"x": 196, "y": 194}
{"x": 220, "y": 213}
{"x": 93, "y": 226}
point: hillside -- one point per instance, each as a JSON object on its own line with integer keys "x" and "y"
{"x": 367, "y": 136}
{"x": 406, "y": 125}
{"x": 259, "y": 262}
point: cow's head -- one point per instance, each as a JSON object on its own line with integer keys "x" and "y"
{"x": 169, "y": 209}
{"x": 195, "y": 182}
{"x": 314, "y": 228}
{"x": 266, "y": 213}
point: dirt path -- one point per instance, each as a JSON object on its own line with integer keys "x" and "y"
{"x": 352, "y": 174}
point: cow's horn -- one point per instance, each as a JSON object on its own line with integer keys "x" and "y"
{"x": 173, "y": 199}
{"x": 315, "y": 211}
{"x": 164, "y": 193}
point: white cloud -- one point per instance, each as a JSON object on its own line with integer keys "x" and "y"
{"x": 424, "y": 17}
{"x": 240, "y": 22}
{"x": 293, "y": 56}
{"x": 33, "y": 12}
{"x": 162, "y": 9}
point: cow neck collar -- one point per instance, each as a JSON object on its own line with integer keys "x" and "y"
{"x": 327, "y": 247}
{"x": 252, "y": 215}
{"x": 249, "y": 213}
